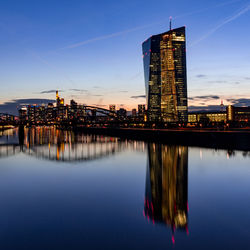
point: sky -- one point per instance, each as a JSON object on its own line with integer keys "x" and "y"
{"x": 90, "y": 50}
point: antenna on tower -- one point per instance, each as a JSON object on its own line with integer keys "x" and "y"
{"x": 170, "y": 23}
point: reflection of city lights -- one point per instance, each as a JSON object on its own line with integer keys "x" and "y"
{"x": 166, "y": 186}
{"x": 53, "y": 144}
{"x": 173, "y": 239}
{"x": 57, "y": 153}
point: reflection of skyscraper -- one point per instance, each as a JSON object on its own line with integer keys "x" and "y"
{"x": 164, "y": 57}
{"x": 166, "y": 198}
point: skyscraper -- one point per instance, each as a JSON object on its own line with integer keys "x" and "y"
{"x": 141, "y": 110}
{"x": 112, "y": 108}
{"x": 164, "y": 57}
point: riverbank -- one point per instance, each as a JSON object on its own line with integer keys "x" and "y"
{"x": 237, "y": 140}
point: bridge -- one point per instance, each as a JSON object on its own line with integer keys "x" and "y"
{"x": 103, "y": 111}
{"x": 7, "y": 115}
{"x": 7, "y": 119}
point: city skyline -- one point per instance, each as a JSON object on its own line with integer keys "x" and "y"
{"x": 41, "y": 55}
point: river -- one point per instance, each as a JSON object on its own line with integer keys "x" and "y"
{"x": 61, "y": 190}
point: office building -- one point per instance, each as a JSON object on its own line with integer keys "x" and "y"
{"x": 207, "y": 117}
{"x": 23, "y": 114}
{"x": 134, "y": 112}
{"x": 112, "y": 109}
{"x": 49, "y": 112}
{"x": 141, "y": 110}
{"x": 238, "y": 114}
{"x": 164, "y": 57}
{"x": 122, "y": 113}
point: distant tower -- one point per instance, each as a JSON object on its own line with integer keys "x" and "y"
{"x": 170, "y": 23}
{"x": 221, "y": 106}
{"x": 112, "y": 108}
{"x": 57, "y": 99}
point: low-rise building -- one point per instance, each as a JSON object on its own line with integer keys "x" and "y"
{"x": 207, "y": 116}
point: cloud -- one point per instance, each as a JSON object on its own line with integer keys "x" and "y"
{"x": 217, "y": 81}
{"x": 99, "y": 105}
{"x": 138, "y": 96}
{"x": 97, "y": 95}
{"x": 241, "y": 102}
{"x": 204, "y": 108}
{"x": 247, "y": 78}
{"x": 240, "y": 12}
{"x": 123, "y": 91}
{"x": 49, "y": 91}
{"x": 205, "y": 97}
{"x": 79, "y": 90}
{"x": 12, "y": 106}
{"x": 201, "y": 76}
{"x": 99, "y": 38}
{"x": 206, "y": 9}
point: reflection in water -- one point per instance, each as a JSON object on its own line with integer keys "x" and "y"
{"x": 166, "y": 196}
{"x": 61, "y": 145}
{"x": 21, "y": 137}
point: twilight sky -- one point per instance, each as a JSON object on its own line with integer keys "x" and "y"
{"x": 91, "y": 49}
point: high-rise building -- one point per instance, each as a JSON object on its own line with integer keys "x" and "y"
{"x": 32, "y": 113}
{"x": 141, "y": 110}
{"x": 122, "y": 113}
{"x": 59, "y": 101}
{"x": 112, "y": 109}
{"x": 164, "y": 57}
{"x": 133, "y": 112}
{"x": 238, "y": 114}
{"x": 49, "y": 112}
{"x": 23, "y": 114}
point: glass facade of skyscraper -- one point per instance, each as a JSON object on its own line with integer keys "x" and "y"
{"x": 164, "y": 58}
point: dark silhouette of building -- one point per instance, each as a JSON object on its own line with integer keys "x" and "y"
{"x": 134, "y": 112}
{"x": 23, "y": 114}
{"x": 122, "y": 113}
{"x": 141, "y": 110}
{"x": 164, "y": 58}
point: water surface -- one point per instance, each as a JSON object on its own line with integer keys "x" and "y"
{"x": 61, "y": 190}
